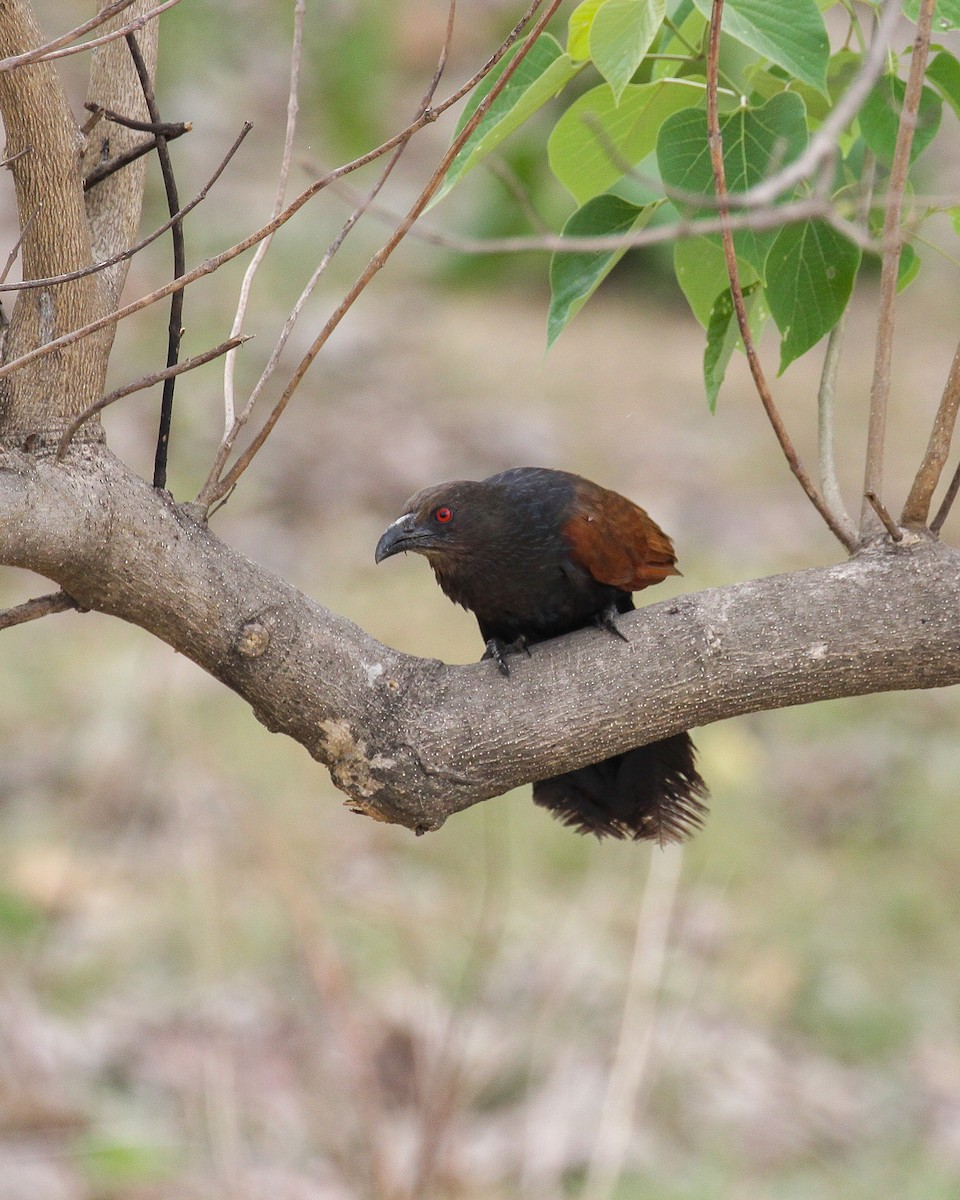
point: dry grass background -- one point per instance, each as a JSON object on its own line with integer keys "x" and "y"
{"x": 217, "y": 982}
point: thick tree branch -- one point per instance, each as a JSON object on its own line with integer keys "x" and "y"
{"x": 43, "y": 136}
{"x": 413, "y": 741}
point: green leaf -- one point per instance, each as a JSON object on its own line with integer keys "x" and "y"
{"x": 544, "y": 71}
{"x": 723, "y": 336}
{"x": 880, "y": 118}
{"x": 811, "y": 270}
{"x": 756, "y": 142}
{"x": 574, "y": 277}
{"x": 790, "y": 33}
{"x": 701, "y": 271}
{"x": 578, "y": 29}
{"x": 622, "y": 33}
{"x": 690, "y": 31}
{"x": 596, "y": 139}
{"x": 946, "y": 13}
{"x": 943, "y": 73}
{"x": 954, "y": 214}
{"x": 909, "y": 266}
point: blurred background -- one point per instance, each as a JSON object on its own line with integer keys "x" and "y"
{"x": 215, "y": 981}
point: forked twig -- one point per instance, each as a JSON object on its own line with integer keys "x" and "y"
{"x": 890, "y": 265}
{"x": 715, "y": 140}
{"x": 103, "y": 170}
{"x": 145, "y": 381}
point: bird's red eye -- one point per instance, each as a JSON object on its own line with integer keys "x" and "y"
{"x": 443, "y": 515}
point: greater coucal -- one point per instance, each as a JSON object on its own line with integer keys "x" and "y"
{"x": 536, "y": 553}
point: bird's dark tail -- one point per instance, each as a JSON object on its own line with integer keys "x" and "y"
{"x": 652, "y": 792}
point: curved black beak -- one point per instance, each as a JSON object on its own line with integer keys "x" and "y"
{"x": 402, "y": 535}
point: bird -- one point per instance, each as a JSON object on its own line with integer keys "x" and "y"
{"x": 535, "y": 553}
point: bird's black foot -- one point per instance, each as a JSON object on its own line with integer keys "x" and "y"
{"x": 605, "y": 620}
{"x": 498, "y": 651}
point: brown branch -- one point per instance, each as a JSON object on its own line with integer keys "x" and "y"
{"x": 947, "y": 503}
{"x": 152, "y": 237}
{"x": 167, "y": 129}
{"x": 32, "y": 610}
{"x": 886, "y": 520}
{"x": 938, "y": 448}
{"x": 715, "y": 141}
{"x": 145, "y": 381}
{"x": 890, "y": 265}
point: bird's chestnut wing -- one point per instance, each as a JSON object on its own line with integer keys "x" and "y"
{"x": 615, "y": 541}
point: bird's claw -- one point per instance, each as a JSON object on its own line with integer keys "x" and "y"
{"x": 605, "y": 620}
{"x": 498, "y": 651}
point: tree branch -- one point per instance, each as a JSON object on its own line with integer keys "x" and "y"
{"x": 890, "y": 266}
{"x": 36, "y": 115}
{"x": 833, "y": 521}
{"x": 938, "y": 448}
{"x": 413, "y": 741}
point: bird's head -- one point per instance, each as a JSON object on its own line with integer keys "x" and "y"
{"x": 436, "y": 522}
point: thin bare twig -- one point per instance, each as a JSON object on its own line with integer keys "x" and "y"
{"x": 212, "y": 492}
{"x": 32, "y": 610}
{"x": 152, "y": 237}
{"x": 167, "y": 129}
{"x": 886, "y": 520}
{"x": 103, "y": 170}
{"x": 119, "y": 32}
{"x": 293, "y": 107}
{"x": 29, "y": 56}
{"x": 938, "y": 448}
{"x": 12, "y": 256}
{"x": 880, "y": 386}
{"x": 825, "y": 427}
{"x": 715, "y": 140}
{"x": 947, "y": 502}
{"x": 175, "y": 327}
{"x": 230, "y": 436}
{"x": 145, "y": 381}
